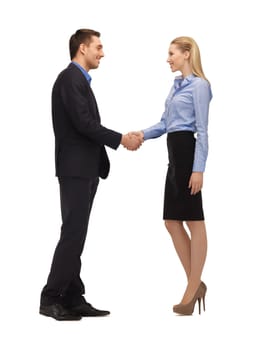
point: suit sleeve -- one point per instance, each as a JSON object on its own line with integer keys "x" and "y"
{"x": 79, "y": 108}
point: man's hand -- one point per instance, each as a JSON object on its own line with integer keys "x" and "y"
{"x": 131, "y": 141}
{"x": 196, "y": 182}
{"x": 139, "y": 134}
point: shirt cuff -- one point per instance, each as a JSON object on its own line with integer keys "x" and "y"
{"x": 146, "y": 134}
{"x": 199, "y": 168}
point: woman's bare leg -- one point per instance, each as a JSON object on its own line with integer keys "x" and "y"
{"x": 198, "y": 257}
{"x": 181, "y": 243}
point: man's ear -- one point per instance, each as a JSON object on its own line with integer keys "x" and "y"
{"x": 82, "y": 48}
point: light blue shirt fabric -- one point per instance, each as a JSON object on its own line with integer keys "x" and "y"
{"x": 186, "y": 109}
{"x": 86, "y": 74}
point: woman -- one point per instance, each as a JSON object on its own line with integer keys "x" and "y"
{"x": 186, "y": 113}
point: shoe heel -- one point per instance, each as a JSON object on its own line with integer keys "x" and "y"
{"x": 204, "y": 304}
{"x": 204, "y": 290}
{"x": 199, "y": 305}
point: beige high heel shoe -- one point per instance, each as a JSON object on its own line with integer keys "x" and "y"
{"x": 188, "y": 309}
{"x": 204, "y": 290}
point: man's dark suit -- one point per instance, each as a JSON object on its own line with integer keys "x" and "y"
{"x": 80, "y": 159}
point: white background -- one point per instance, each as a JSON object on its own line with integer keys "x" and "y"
{"x": 129, "y": 264}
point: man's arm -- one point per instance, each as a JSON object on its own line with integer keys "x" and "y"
{"x": 78, "y": 108}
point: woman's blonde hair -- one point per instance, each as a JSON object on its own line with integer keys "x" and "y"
{"x": 185, "y": 43}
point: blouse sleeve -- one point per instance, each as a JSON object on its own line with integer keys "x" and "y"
{"x": 155, "y": 130}
{"x": 202, "y": 96}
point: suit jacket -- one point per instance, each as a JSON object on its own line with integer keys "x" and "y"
{"x": 80, "y": 138}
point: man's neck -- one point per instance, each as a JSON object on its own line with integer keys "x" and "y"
{"x": 80, "y": 63}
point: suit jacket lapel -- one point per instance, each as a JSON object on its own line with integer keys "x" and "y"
{"x": 89, "y": 90}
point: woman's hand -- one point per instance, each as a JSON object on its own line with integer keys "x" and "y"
{"x": 138, "y": 134}
{"x": 196, "y": 182}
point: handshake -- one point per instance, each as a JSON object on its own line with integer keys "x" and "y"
{"x": 133, "y": 140}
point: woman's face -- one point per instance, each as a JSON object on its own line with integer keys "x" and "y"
{"x": 177, "y": 58}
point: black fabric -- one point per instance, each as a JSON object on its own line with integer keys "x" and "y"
{"x": 64, "y": 284}
{"x": 80, "y": 139}
{"x": 179, "y": 204}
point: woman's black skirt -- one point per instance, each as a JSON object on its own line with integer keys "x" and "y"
{"x": 179, "y": 204}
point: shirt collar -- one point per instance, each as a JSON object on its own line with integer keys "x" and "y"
{"x": 180, "y": 81}
{"x": 86, "y": 74}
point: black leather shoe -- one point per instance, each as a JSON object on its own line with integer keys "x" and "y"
{"x": 88, "y": 310}
{"x": 59, "y": 313}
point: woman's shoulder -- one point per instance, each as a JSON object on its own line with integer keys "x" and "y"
{"x": 200, "y": 81}
{"x": 202, "y": 86}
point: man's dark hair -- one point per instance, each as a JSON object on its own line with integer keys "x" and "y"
{"x": 79, "y": 37}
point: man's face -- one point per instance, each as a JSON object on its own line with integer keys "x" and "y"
{"x": 93, "y": 52}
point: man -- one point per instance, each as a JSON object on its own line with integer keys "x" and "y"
{"x": 80, "y": 159}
